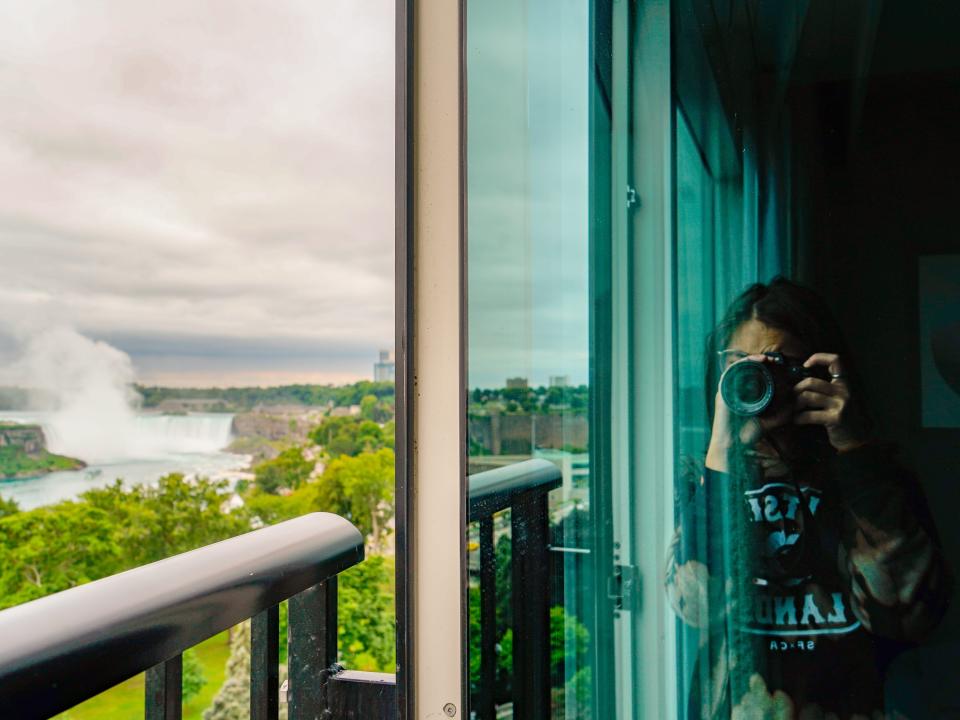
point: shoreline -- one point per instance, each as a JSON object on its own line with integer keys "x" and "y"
{"x": 66, "y": 485}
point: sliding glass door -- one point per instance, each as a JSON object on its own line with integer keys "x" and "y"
{"x": 712, "y": 289}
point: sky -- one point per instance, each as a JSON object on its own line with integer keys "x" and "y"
{"x": 528, "y": 191}
{"x": 205, "y": 186}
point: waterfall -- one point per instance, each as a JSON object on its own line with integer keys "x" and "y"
{"x": 195, "y": 433}
{"x": 121, "y": 437}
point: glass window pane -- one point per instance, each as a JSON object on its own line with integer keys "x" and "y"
{"x": 745, "y": 251}
{"x": 528, "y": 197}
{"x": 808, "y": 570}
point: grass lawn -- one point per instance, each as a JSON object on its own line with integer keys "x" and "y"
{"x": 125, "y": 701}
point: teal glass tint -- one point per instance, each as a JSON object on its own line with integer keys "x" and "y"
{"x": 529, "y": 81}
{"x": 656, "y": 190}
{"x": 796, "y": 128}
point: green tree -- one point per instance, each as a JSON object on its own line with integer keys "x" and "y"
{"x": 8, "y": 506}
{"x": 272, "y": 509}
{"x": 368, "y": 407}
{"x": 389, "y": 434}
{"x": 360, "y": 489}
{"x": 288, "y": 470}
{"x": 337, "y": 435}
{"x": 50, "y": 549}
{"x": 567, "y": 635}
{"x": 193, "y": 676}
{"x": 366, "y": 615}
{"x": 369, "y": 436}
{"x": 106, "y": 531}
{"x": 152, "y": 522}
{"x": 351, "y": 436}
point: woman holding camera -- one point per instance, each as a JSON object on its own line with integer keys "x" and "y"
{"x": 805, "y": 555}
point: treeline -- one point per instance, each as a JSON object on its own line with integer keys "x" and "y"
{"x": 530, "y": 400}
{"x": 247, "y": 398}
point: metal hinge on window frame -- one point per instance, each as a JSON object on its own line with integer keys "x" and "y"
{"x": 623, "y": 587}
{"x": 633, "y": 197}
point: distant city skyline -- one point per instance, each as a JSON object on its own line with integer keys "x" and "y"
{"x": 339, "y": 369}
{"x": 206, "y": 187}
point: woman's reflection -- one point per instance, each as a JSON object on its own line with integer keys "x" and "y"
{"x": 806, "y": 554}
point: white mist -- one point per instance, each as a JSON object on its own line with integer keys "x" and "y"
{"x": 96, "y": 414}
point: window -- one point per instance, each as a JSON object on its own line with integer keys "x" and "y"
{"x": 196, "y": 306}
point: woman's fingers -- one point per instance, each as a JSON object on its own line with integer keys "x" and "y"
{"x": 813, "y": 399}
{"x": 820, "y": 386}
{"x": 818, "y": 417}
{"x": 830, "y": 361}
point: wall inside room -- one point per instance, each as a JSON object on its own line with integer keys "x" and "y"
{"x": 875, "y": 194}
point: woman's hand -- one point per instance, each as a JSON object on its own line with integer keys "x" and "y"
{"x": 830, "y": 404}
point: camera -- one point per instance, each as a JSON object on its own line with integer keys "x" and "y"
{"x": 751, "y": 387}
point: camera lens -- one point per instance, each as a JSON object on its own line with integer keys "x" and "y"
{"x": 747, "y": 387}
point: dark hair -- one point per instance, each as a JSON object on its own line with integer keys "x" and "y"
{"x": 787, "y": 306}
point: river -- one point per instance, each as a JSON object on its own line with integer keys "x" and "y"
{"x": 153, "y": 446}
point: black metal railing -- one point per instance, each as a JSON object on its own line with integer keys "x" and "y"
{"x": 65, "y": 648}
{"x": 523, "y": 488}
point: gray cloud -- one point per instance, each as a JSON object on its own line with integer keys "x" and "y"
{"x": 219, "y": 171}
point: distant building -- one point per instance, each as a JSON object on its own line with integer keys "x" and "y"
{"x": 385, "y": 370}
{"x": 517, "y": 382}
{"x": 559, "y": 381}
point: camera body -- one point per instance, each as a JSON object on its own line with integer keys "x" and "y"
{"x": 750, "y": 387}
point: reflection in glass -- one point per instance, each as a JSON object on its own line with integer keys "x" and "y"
{"x": 809, "y": 568}
{"x": 713, "y": 280}
{"x": 806, "y": 554}
{"x": 528, "y": 198}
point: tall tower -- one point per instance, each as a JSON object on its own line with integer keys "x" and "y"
{"x": 384, "y": 370}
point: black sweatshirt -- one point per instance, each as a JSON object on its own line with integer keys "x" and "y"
{"x": 805, "y": 586}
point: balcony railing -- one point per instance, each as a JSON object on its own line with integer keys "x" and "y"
{"x": 60, "y": 650}
{"x": 522, "y": 487}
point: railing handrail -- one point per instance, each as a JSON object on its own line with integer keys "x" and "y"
{"x": 493, "y": 490}
{"x": 64, "y": 648}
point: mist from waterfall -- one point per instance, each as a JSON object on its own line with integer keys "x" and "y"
{"x": 95, "y": 413}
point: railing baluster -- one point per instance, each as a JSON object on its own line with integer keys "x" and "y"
{"x": 488, "y": 620}
{"x": 312, "y": 649}
{"x": 531, "y": 608}
{"x": 523, "y": 487}
{"x": 265, "y": 665}
{"x": 164, "y": 690}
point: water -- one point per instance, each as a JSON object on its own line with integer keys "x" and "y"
{"x": 153, "y": 445}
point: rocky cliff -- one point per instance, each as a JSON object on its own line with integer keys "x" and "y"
{"x": 23, "y": 453}
{"x": 29, "y": 438}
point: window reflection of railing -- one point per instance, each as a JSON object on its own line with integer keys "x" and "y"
{"x": 65, "y": 648}
{"x": 523, "y": 488}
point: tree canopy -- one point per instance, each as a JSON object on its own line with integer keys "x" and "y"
{"x": 106, "y": 531}
{"x": 290, "y": 469}
{"x": 360, "y": 489}
{"x": 352, "y": 435}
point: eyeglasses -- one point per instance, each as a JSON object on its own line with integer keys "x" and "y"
{"x": 726, "y": 358}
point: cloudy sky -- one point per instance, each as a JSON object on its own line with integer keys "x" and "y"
{"x": 528, "y": 189}
{"x": 207, "y": 186}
